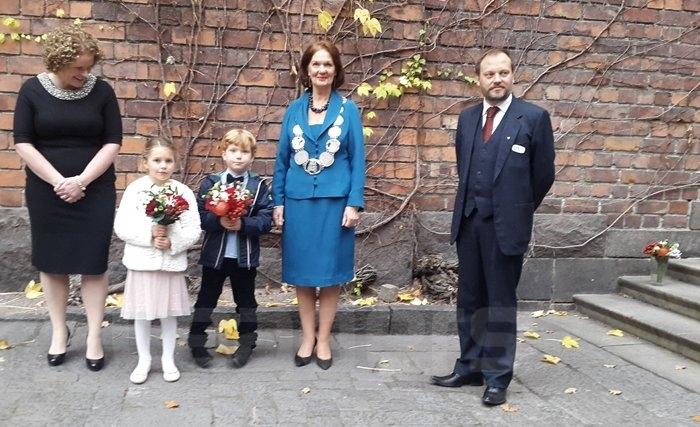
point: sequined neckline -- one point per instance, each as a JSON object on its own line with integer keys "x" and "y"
{"x": 63, "y": 94}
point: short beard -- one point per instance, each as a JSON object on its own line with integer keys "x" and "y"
{"x": 498, "y": 100}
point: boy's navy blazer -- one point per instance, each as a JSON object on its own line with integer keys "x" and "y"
{"x": 344, "y": 178}
{"x": 523, "y": 174}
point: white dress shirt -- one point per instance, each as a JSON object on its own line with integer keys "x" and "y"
{"x": 502, "y": 108}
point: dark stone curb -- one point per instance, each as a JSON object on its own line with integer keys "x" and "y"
{"x": 394, "y": 319}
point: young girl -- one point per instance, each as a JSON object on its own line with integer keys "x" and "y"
{"x": 156, "y": 257}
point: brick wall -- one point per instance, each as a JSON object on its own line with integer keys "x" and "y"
{"x": 621, "y": 83}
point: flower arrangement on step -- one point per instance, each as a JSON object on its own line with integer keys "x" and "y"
{"x": 662, "y": 251}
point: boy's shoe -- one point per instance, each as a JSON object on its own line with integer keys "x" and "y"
{"x": 246, "y": 344}
{"x": 201, "y": 357}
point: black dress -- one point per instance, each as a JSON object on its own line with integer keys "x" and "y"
{"x": 69, "y": 238}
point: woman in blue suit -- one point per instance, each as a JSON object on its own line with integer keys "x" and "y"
{"x": 317, "y": 187}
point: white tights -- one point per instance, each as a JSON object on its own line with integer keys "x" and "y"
{"x": 142, "y": 331}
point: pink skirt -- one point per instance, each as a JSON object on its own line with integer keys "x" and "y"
{"x": 150, "y": 295}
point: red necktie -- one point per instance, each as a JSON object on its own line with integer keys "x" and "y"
{"x": 488, "y": 126}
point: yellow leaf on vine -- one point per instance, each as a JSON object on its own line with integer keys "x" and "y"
{"x": 371, "y": 115}
{"x": 33, "y": 290}
{"x": 548, "y": 358}
{"x": 226, "y": 350}
{"x": 325, "y": 20}
{"x": 60, "y": 13}
{"x": 229, "y": 328}
{"x": 372, "y": 27}
{"x": 362, "y": 15}
{"x": 2, "y": 38}
{"x": 11, "y": 23}
{"x": 77, "y": 22}
{"x": 169, "y": 89}
{"x": 5, "y": 345}
{"x": 114, "y": 300}
{"x": 569, "y": 342}
{"x": 530, "y": 334}
{"x": 616, "y": 333}
{"x": 367, "y": 132}
{"x": 364, "y": 89}
{"x": 37, "y": 39}
{"x": 15, "y": 36}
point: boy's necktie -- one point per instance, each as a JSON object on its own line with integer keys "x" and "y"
{"x": 230, "y": 179}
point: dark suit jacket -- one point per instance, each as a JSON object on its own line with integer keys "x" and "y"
{"x": 521, "y": 179}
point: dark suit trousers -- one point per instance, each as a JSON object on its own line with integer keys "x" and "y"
{"x": 486, "y": 303}
{"x": 243, "y": 287}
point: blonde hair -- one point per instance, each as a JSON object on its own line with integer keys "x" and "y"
{"x": 155, "y": 143}
{"x": 240, "y": 138}
{"x": 64, "y": 45}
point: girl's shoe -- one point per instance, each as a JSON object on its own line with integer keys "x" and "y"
{"x": 171, "y": 376}
{"x": 138, "y": 376}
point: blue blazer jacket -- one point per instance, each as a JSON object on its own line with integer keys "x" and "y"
{"x": 523, "y": 174}
{"x": 344, "y": 178}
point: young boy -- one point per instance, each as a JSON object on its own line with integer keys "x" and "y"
{"x": 231, "y": 249}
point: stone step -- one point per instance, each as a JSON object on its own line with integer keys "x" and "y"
{"x": 673, "y": 331}
{"x": 687, "y": 270}
{"x": 680, "y": 297}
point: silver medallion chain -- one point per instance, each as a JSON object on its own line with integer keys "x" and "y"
{"x": 314, "y": 166}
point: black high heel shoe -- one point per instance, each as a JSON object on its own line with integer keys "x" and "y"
{"x": 303, "y": 361}
{"x": 95, "y": 364}
{"x": 58, "y": 359}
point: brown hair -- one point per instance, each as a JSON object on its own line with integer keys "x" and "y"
{"x": 329, "y": 47}
{"x": 158, "y": 142}
{"x": 64, "y": 45}
{"x": 240, "y": 138}
{"x": 491, "y": 52}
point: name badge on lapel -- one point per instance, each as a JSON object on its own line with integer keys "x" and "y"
{"x": 518, "y": 148}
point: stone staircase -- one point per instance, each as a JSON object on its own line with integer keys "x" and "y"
{"x": 667, "y": 314}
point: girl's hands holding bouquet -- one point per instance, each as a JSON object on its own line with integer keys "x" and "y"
{"x": 162, "y": 243}
{"x": 158, "y": 230}
{"x": 230, "y": 224}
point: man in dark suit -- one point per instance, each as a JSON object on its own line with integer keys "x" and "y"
{"x": 505, "y": 161}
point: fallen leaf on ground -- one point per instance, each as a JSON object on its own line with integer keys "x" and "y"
{"x": 538, "y": 313}
{"x": 615, "y": 392}
{"x": 383, "y": 362}
{"x": 406, "y": 297}
{"x": 305, "y": 390}
{"x": 558, "y": 312}
{"x": 364, "y": 302}
{"x": 226, "y": 350}
{"x": 229, "y": 328}
{"x": 569, "y": 342}
{"x": 5, "y": 345}
{"x": 2, "y": 360}
{"x": 294, "y": 301}
{"x": 696, "y": 418}
{"x": 114, "y": 300}
{"x": 616, "y": 333}
{"x": 571, "y": 390}
{"x": 419, "y": 301}
{"x": 507, "y": 407}
{"x": 530, "y": 334}
{"x": 518, "y": 339}
{"x": 105, "y": 323}
{"x": 548, "y": 358}
{"x": 534, "y": 324}
{"x": 285, "y": 288}
{"x": 680, "y": 367}
{"x": 272, "y": 304}
{"x": 33, "y": 290}
{"x": 171, "y": 404}
{"x": 609, "y": 366}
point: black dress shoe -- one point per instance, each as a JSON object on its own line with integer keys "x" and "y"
{"x": 58, "y": 359}
{"x": 494, "y": 396}
{"x": 456, "y": 380}
{"x": 201, "y": 357}
{"x": 95, "y": 364}
{"x": 324, "y": 363}
{"x": 55, "y": 359}
{"x": 303, "y": 361}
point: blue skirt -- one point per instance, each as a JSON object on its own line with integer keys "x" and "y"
{"x": 317, "y": 251}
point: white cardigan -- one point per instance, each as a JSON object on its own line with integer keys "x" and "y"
{"x": 133, "y": 226}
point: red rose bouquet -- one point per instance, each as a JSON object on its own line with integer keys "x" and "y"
{"x": 231, "y": 200}
{"x": 165, "y": 206}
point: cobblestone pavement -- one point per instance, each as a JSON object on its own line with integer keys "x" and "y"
{"x": 658, "y": 387}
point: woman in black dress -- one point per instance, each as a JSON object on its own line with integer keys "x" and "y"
{"x": 67, "y": 129}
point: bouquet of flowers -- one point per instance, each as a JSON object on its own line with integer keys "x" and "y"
{"x": 165, "y": 205}
{"x": 231, "y": 200}
{"x": 663, "y": 249}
